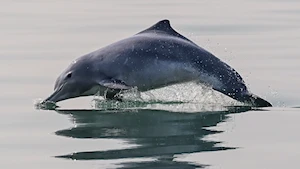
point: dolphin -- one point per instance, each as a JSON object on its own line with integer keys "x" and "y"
{"x": 153, "y": 58}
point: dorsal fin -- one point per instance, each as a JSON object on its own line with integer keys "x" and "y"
{"x": 164, "y": 27}
{"x": 161, "y": 26}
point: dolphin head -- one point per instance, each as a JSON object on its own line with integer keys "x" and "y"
{"x": 75, "y": 81}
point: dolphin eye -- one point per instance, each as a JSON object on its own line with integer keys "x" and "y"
{"x": 69, "y": 75}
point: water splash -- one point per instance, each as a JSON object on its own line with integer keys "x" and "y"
{"x": 40, "y": 105}
{"x": 180, "y": 97}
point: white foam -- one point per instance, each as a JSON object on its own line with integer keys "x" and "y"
{"x": 39, "y": 104}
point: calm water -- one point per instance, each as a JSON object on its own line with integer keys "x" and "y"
{"x": 260, "y": 39}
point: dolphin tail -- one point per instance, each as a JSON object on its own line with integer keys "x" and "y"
{"x": 256, "y": 101}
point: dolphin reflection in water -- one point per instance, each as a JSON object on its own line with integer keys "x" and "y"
{"x": 159, "y": 134}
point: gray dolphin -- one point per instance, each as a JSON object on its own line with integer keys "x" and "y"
{"x": 156, "y": 57}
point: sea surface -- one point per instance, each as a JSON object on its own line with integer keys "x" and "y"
{"x": 260, "y": 39}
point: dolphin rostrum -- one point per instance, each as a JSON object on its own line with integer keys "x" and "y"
{"x": 156, "y": 57}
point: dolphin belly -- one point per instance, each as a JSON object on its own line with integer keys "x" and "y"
{"x": 160, "y": 74}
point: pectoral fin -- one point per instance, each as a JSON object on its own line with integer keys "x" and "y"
{"x": 114, "y": 84}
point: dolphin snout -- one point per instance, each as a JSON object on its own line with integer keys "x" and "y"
{"x": 56, "y": 96}
{"x": 51, "y": 98}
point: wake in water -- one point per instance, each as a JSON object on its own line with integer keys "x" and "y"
{"x": 182, "y": 97}
{"x": 187, "y": 96}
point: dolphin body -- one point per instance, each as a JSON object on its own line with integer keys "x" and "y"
{"x": 156, "y": 57}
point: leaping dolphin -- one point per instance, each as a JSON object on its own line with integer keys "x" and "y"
{"x": 156, "y": 57}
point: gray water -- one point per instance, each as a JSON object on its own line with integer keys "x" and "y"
{"x": 260, "y": 39}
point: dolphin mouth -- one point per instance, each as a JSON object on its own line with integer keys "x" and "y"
{"x": 55, "y": 96}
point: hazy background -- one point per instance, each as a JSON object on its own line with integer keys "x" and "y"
{"x": 260, "y": 39}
